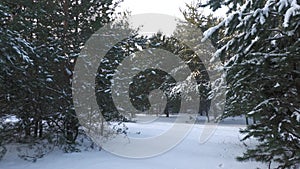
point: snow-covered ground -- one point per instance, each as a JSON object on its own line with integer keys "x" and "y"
{"x": 218, "y": 152}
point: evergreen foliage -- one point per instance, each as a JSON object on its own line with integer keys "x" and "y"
{"x": 262, "y": 66}
{"x": 149, "y": 79}
{"x": 40, "y": 41}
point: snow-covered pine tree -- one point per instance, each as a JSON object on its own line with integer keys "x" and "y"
{"x": 263, "y": 71}
{"x": 16, "y": 56}
{"x": 56, "y": 31}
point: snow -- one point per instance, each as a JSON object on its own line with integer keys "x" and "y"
{"x": 297, "y": 115}
{"x": 11, "y": 119}
{"x": 292, "y": 11}
{"x": 256, "y": 108}
{"x": 277, "y": 85}
{"x": 140, "y": 48}
{"x": 252, "y": 43}
{"x": 218, "y": 152}
{"x": 49, "y": 79}
{"x": 282, "y": 4}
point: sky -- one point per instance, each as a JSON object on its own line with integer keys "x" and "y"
{"x": 170, "y": 7}
{"x": 158, "y": 22}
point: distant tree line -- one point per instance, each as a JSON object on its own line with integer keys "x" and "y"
{"x": 149, "y": 79}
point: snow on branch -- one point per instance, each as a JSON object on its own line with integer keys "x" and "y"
{"x": 256, "y": 108}
{"x": 292, "y": 11}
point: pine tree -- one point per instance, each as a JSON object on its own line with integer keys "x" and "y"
{"x": 262, "y": 66}
{"x": 197, "y": 18}
{"x": 45, "y": 38}
{"x": 16, "y": 56}
{"x": 214, "y": 90}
